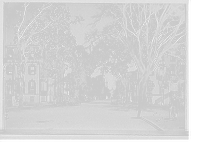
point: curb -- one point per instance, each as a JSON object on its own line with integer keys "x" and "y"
{"x": 153, "y": 124}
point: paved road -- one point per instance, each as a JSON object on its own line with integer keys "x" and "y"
{"x": 99, "y": 117}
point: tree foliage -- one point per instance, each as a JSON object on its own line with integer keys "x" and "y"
{"x": 112, "y": 56}
{"x": 29, "y": 27}
{"x": 57, "y": 41}
{"x": 82, "y": 67}
{"x": 147, "y": 31}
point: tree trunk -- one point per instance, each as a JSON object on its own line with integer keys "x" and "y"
{"x": 162, "y": 95}
{"x": 13, "y": 78}
{"x": 55, "y": 92}
{"x": 142, "y": 94}
{"x": 126, "y": 95}
{"x": 77, "y": 93}
{"x": 123, "y": 92}
{"x": 21, "y": 84}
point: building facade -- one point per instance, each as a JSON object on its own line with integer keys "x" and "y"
{"x": 35, "y": 87}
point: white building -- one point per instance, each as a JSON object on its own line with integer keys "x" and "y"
{"x": 35, "y": 89}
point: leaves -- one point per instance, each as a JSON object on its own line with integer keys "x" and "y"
{"x": 82, "y": 66}
{"x": 150, "y": 29}
{"x": 112, "y": 56}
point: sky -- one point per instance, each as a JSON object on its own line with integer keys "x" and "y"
{"x": 79, "y": 30}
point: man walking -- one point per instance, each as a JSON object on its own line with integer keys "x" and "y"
{"x": 174, "y": 105}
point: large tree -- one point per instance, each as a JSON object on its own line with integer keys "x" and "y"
{"x": 111, "y": 56}
{"x": 82, "y": 67}
{"x": 59, "y": 45}
{"x": 30, "y": 25}
{"x": 148, "y": 32}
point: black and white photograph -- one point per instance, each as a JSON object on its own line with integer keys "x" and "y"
{"x": 117, "y": 70}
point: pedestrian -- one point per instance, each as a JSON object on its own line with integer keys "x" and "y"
{"x": 174, "y": 105}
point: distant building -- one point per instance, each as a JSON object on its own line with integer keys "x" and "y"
{"x": 172, "y": 64}
{"x": 156, "y": 96}
{"x": 132, "y": 86}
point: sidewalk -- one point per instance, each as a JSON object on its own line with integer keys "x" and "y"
{"x": 154, "y": 115}
{"x": 160, "y": 117}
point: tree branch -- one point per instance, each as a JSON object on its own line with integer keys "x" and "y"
{"x": 22, "y": 33}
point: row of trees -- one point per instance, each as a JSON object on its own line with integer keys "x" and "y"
{"x": 48, "y": 25}
{"x": 90, "y": 87}
{"x": 140, "y": 32}
{"x": 144, "y": 32}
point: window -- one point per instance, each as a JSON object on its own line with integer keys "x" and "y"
{"x": 32, "y": 84}
{"x": 31, "y": 88}
{"x": 18, "y": 87}
{"x": 10, "y": 52}
{"x": 9, "y": 69}
{"x": 9, "y": 87}
{"x": 135, "y": 86}
{"x": 172, "y": 70}
{"x": 173, "y": 59}
{"x": 31, "y": 98}
{"x": 44, "y": 86}
{"x": 32, "y": 69}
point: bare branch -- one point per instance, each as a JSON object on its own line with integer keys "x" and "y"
{"x": 22, "y": 33}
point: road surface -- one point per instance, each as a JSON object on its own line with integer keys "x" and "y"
{"x": 93, "y": 116}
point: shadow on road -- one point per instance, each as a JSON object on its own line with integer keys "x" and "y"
{"x": 168, "y": 119}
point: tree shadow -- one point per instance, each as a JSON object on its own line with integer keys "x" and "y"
{"x": 168, "y": 119}
{"x": 136, "y": 118}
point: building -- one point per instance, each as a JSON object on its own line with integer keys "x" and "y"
{"x": 131, "y": 86}
{"x": 172, "y": 64}
{"x": 176, "y": 69}
{"x": 35, "y": 87}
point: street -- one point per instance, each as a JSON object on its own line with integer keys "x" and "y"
{"x": 97, "y": 117}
